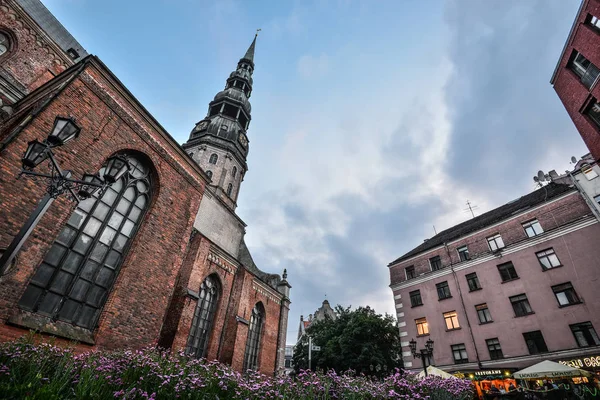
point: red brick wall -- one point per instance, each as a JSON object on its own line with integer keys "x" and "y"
{"x": 550, "y": 217}
{"x": 134, "y": 312}
{"x": 573, "y": 94}
{"x": 33, "y": 58}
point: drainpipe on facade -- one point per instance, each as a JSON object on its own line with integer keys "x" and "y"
{"x": 462, "y": 302}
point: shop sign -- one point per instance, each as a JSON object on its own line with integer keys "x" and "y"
{"x": 488, "y": 372}
{"x": 582, "y": 362}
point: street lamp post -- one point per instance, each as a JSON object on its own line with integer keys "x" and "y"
{"x": 58, "y": 181}
{"x": 424, "y": 354}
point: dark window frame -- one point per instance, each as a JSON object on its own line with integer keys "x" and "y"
{"x": 530, "y": 228}
{"x": 569, "y": 292}
{"x": 507, "y": 271}
{"x": 214, "y": 158}
{"x": 587, "y": 73}
{"x": 412, "y": 273}
{"x": 546, "y": 254}
{"x": 254, "y": 339}
{"x": 204, "y": 317}
{"x": 463, "y": 253}
{"x": 535, "y": 342}
{"x": 435, "y": 263}
{"x": 473, "y": 281}
{"x": 494, "y": 239}
{"x": 588, "y": 334}
{"x": 483, "y": 311}
{"x": 443, "y": 290}
{"x": 415, "y": 298}
{"x": 494, "y": 348}
{"x": 520, "y": 305}
{"x": 461, "y": 350}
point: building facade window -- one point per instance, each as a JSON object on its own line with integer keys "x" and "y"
{"x": 588, "y": 172}
{"x": 535, "y": 342}
{"x": 548, "y": 259}
{"x": 533, "y": 228}
{"x": 593, "y": 112}
{"x": 494, "y": 348}
{"x": 204, "y": 315}
{"x": 422, "y": 326}
{"x": 229, "y": 189}
{"x": 451, "y": 320}
{"x": 495, "y": 242}
{"x": 593, "y": 22}
{"x": 443, "y": 290}
{"x": 463, "y": 253}
{"x": 209, "y": 173}
{"x": 585, "y": 334}
{"x": 4, "y": 43}
{"x": 507, "y": 272}
{"x": 436, "y": 263}
{"x": 565, "y": 294}
{"x": 213, "y": 158}
{"x": 584, "y": 69}
{"x": 473, "y": 281}
{"x": 597, "y": 199}
{"x": 73, "y": 282}
{"x": 254, "y": 336}
{"x": 410, "y": 272}
{"x": 459, "y": 352}
{"x": 415, "y": 298}
{"x": 483, "y": 313}
{"x": 520, "y": 305}
{"x": 234, "y": 171}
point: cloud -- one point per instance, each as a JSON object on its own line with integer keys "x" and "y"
{"x": 310, "y": 67}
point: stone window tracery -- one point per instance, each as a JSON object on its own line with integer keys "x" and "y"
{"x": 254, "y": 336}
{"x": 213, "y": 158}
{"x": 73, "y": 281}
{"x": 204, "y": 316}
{"x": 4, "y": 43}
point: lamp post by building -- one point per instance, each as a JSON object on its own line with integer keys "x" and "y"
{"x": 424, "y": 354}
{"x": 58, "y": 181}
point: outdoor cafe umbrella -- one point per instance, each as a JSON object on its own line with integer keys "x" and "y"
{"x": 548, "y": 370}
{"x": 431, "y": 370}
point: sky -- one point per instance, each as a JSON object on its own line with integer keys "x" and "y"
{"x": 372, "y": 121}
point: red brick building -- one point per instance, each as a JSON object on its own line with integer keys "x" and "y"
{"x": 506, "y": 289}
{"x": 158, "y": 258}
{"x": 575, "y": 78}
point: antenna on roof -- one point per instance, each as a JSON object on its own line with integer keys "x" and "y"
{"x": 471, "y": 208}
{"x": 434, "y": 231}
{"x": 541, "y": 177}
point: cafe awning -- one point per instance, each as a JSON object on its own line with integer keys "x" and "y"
{"x": 549, "y": 369}
{"x": 431, "y": 370}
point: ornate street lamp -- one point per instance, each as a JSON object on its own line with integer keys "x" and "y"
{"x": 59, "y": 181}
{"x": 424, "y": 354}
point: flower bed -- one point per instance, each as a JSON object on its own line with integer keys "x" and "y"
{"x": 45, "y": 371}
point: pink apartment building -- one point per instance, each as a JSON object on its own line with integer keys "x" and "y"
{"x": 507, "y": 289}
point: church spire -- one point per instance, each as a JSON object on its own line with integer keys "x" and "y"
{"x": 219, "y": 143}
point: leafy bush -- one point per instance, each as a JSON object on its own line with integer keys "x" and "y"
{"x": 45, "y": 371}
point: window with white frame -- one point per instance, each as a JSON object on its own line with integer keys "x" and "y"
{"x": 533, "y": 228}
{"x": 548, "y": 259}
{"x": 495, "y": 242}
{"x": 584, "y": 69}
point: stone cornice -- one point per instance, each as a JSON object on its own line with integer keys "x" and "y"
{"x": 266, "y": 291}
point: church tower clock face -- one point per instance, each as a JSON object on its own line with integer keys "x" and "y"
{"x": 243, "y": 140}
{"x": 202, "y": 125}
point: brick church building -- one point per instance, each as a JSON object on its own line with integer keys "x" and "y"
{"x": 157, "y": 256}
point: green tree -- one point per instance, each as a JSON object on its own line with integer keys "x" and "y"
{"x": 360, "y": 340}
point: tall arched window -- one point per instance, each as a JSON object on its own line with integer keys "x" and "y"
{"x": 204, "y": 316}
{"x": 213, "y": 158}
{"x": 4, "y": 43}
{"x": 229, "y": 189}
{"x": 254, "y": 333}
{"x": 73, "y": 281}
{"x": 234, "y": 172}
{"x": 209, "y": 173}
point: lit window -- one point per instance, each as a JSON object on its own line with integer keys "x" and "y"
{"x": 495, "y": 242}
{"x": 520, "y": 305}
{"x": 204, "y": 315}
{"x": 535, "y": 342}
{"x": 77, "y": 274}
{"x": 443, "y": 290}
{"x": 4, "y": 43}
{"x": 565, "y": 294}
{"x": 422, "y": 326}
{"x": 451, "y": 319}
{"x": 584, "y": 69}
{"x": 494, "y": 348}
{"x": 436, "y": 263}
{"x": 548, "y": 259}
{"x": 459, "y": 352}
{"x": 410, "y": 272}
{"x": 415, "y": 298}
{"x": 483, "y": 313}
{"x": 507, "y": 272}
{"x": 589, "y": 172}
{"x": 585, "y": 334}
{"x": 533, "y": 228}
{"x": 473, "y": 281}
{"x": 213, "y": 158}
{"x": 463, "y": 253}
{"x": 254, "y": 335}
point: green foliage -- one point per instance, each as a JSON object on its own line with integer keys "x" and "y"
{"x": 358, "y": 340}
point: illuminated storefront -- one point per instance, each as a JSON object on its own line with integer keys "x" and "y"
{"x": 485, "y": 379}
